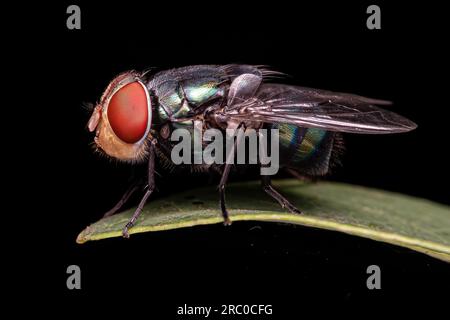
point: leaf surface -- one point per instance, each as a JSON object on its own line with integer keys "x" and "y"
{"x": 402, "y": 220}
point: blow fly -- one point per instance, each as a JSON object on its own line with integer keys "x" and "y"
{"x": 138, "y": 111}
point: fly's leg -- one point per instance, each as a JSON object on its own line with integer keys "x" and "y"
{"x": 270, "y": 190}
{"x": 222, "y": 184}
{"x": 226, "y": 171}
{"x": 132, "y": 189}
{"x": 150, "y": 188}
{"x": 242, "y": 88}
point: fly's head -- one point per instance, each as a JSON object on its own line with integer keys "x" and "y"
{"x": 122, "y": 119}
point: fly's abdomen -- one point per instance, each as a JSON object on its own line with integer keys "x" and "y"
{"x": 306, "y": 150}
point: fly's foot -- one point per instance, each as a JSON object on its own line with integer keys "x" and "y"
{"x": 284, "y": 203}
{"x": 223, "y": 208}
{"x": 226, "y": 221}
{"x": 226, "y": 217}
{"x": 292, "y": 208}
{"x": 127, "y": 227}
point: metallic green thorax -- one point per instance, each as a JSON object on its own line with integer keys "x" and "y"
{"x": 177, "y": 97}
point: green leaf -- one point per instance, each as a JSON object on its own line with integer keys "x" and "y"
{"x": 384, "y": 216}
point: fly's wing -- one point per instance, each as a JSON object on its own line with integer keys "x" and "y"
{"x": 312, "y": 108}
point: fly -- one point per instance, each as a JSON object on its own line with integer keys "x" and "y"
{"x": 137, "y": 113}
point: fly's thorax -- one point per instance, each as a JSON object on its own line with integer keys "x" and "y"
{"x": 123, "y": 118}
{"x": 179, "y": 96}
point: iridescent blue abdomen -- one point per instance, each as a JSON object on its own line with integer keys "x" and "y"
{"x": 306, "y": 150}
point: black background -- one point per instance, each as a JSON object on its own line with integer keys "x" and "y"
{"x": 325, "y": 45}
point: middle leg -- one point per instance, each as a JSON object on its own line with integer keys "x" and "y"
{"x": 226, "y": 171}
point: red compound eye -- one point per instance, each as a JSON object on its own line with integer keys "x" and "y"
{"x": 128, "y": 112}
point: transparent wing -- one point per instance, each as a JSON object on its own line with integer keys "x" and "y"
{"x": 313, "y": 108}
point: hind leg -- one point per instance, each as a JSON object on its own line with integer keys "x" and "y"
{"x": 270, "y": 190}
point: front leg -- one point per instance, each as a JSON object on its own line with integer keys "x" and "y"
{"x": 131, "y": 190}
{"x": 150, "y": 188}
